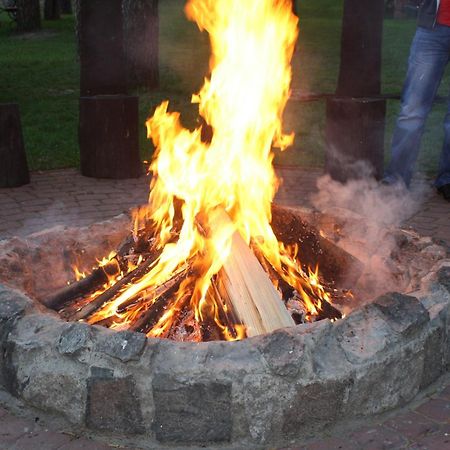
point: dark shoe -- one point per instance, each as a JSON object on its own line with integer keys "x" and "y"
{"x": 444, "y": 190}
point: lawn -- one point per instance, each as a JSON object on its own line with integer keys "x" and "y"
{"x": 40, "y": 72}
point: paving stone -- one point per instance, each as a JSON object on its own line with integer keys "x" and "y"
{"x": 378, "y": 438}
{"x": 436, "y": 409}
{"x": 314, "y": 406}
{"x": 12, "y": 428}
{"x": 412, "y": 425}
{"x": 44, "y": 439}
{"x": 332, "y": 444}
{"x": 207, "y": 420}
{"x": 438, "y": 441}
{"x": 113, "y": 405}
{"x": 84, "y": 444}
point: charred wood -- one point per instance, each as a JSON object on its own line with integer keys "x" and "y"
{"x": 95, "y": 279}
{"x": 113, "y": 290}
{"x": 335, "y": 264}
{"x": 158, "y": 291}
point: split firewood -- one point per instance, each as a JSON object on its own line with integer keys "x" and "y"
{"x": 255, "y": 300}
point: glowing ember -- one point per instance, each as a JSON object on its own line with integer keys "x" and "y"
{"x": 242, "y": 102}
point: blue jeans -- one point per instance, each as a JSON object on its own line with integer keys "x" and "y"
{"x": 429, "y": 55}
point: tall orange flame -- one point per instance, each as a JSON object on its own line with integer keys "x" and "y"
{"x": 242, "y": 101}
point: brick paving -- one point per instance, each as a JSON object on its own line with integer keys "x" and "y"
{"x": 64, "y": 197}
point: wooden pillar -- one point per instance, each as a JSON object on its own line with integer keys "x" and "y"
{"x": 141, "y": 25}
{"x": 28, "y": 15}
{"x": 355, "y": 116}
{"x": 109, "y": 138}
{"x": 108, "y": 127}
{"x": 362, "y": 33}
{"x": 355, "y": 137}
{"x": 65, "y": 6}
{"x": 13, "y": 166}
{"x": 102, "y": 57}
{"x": 51, "y": 10}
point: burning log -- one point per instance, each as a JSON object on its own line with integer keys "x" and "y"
{"x": 98, "y": 277}
{"x": 315, "y": 250}
{"x": 292, "y": 298}
{"x": 75, "y": 290}
{"x": 253, "y": 296}
{"x": 113, "y": 290}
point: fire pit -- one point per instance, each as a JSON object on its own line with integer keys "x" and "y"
{"x": 274, "y": 389}
{"x": 143, "y": 353}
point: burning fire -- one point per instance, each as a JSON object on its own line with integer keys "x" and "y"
{"x": 231, "y": 176}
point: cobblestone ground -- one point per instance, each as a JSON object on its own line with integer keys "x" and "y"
{"x": 65, "y": 197}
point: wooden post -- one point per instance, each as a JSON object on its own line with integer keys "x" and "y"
{"x": 28, "y": 15}
{"x": 362, "y": 31}
{"x": 109, "y": 138}
{"x": 102, "y": 58}
{"x": 65, "y": 6}
{"x": 141, "y": 25}
{"x": 13, "y": 161}
{"x": 51, "y": 10}
{"x": 355, "y": 137}
{"x": 355, "y": 117}
{"x": 108, "y": 128}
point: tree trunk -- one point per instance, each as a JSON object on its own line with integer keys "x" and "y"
{"x": 51, "y": 10}
{"x": 362, "y": 28}
{"x": 65, "y": 6}
{"x": 141, "y": 29}
{"x": 28, "y": 15}
{"x": 13, "y": 167}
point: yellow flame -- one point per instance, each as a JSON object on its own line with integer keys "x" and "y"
{"x": 242, "y": 101}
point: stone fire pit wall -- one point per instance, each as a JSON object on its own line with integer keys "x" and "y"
{"x": 271, "y": 390}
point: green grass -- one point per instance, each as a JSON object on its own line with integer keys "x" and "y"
{"x": 41, "y": 73}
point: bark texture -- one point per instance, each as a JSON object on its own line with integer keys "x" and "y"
{"x": 28, "y": 15}
{"x": 141, "y": 31}
{"x": 65, "y": 6}
{"x": 101, "y": 46}
{"x": 13, "y": 161}
{"x": 362, "y": 28}
{"x": 51, "y": 10}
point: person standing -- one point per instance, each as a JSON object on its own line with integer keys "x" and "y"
{"x": 428, "y": 58}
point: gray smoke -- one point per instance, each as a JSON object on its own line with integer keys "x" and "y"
{"x": 370, "y": 215}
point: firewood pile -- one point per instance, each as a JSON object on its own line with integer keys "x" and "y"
{"x": 248, "y": 295}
